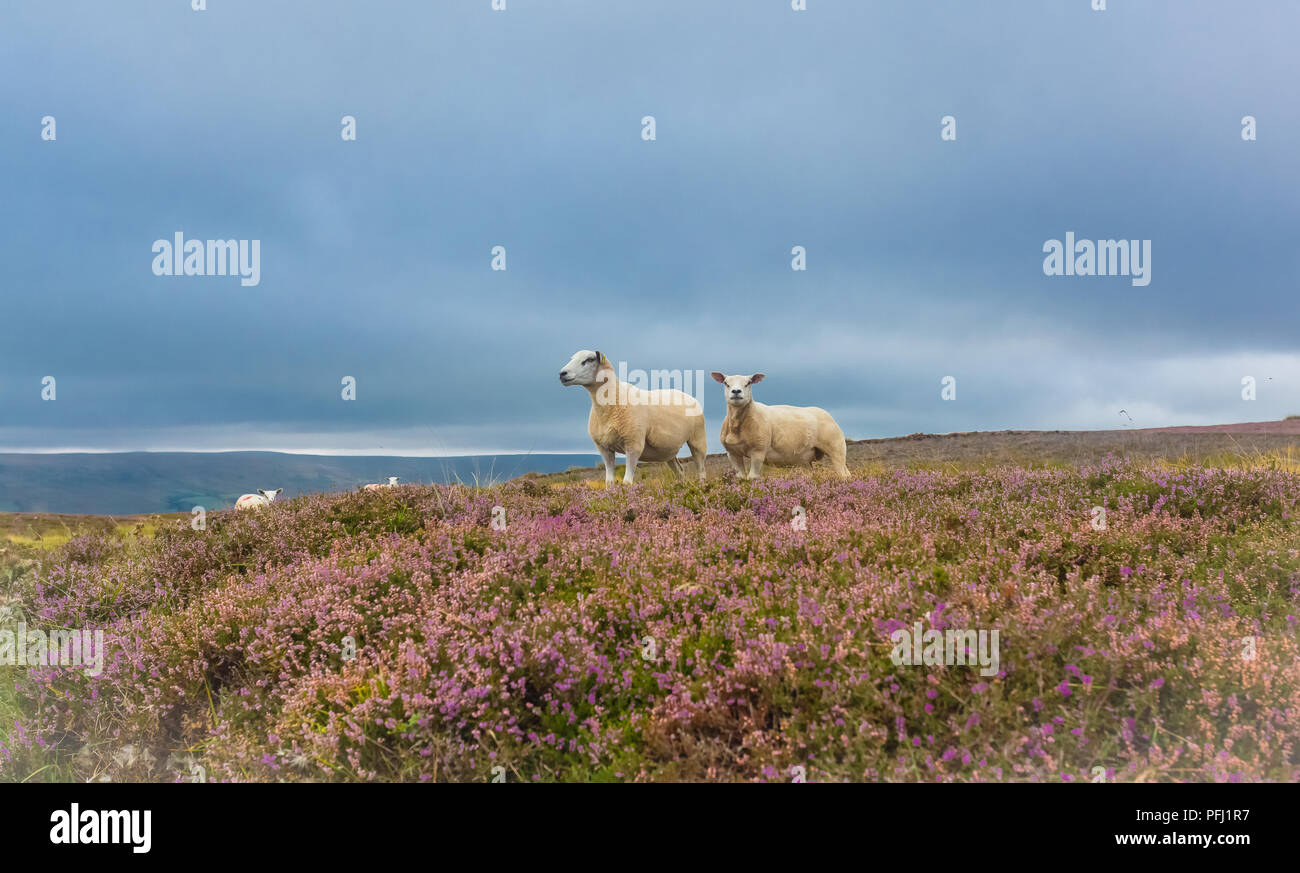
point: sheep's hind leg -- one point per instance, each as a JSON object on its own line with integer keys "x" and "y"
{"x": 837, "y": 458}
{"x": 699, "y": 451}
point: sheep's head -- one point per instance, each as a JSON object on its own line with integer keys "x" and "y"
{"x": 392, "y": 480}
{"x": 269, "y": 495}
{"x": 736, "y": 389}
{"x": 583, "y": 368}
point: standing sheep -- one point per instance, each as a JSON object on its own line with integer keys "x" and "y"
{"x": 258, "y": 500}
{"x": 643, "y": 425}
{"x": 788, "y": 436}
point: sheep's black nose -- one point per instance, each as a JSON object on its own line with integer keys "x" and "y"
{"x": 563, "y": 373}
{"x": 735, "y": 391}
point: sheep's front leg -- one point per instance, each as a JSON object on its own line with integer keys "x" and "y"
{"x": 756, "y": 465}
{"x": 737, "y": 462}
{"x": 608, "y": 457}
{"x": 633, "y": 454}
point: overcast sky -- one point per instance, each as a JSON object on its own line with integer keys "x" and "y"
{"x": 523, "y": 129}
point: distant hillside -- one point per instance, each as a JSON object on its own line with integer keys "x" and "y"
{"x": 132, "y": 483}
{"x": 1278, "y": 441}
{"x": 143, "y": 482}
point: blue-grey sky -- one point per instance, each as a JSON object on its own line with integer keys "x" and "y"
{"x": 775, "y": 128}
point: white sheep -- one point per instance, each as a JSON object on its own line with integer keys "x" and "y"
{"x": 787, "y": 436}
{"x": 643, "y": 425}
{"x": 377, "y": 486}
{"x": 258, "y": 500}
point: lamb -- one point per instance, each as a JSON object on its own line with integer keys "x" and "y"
{"x": 377, "y": 486}
{"x": 643, "y": 425}
{"x": 258, "y": 500}
{"x": 754, "y": 433}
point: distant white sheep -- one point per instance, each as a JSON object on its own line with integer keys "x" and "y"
{"x": 788, "y": 436}
{"x": 643, "y": 425}
{"x": 258, "y": 500}
{"x": 376, "y": 486}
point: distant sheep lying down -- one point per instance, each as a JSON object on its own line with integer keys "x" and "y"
{"x": 643, "y": 425}
{"x": 378, "y": 486}
{"x": 788, "y": 436}
{"x": 258, "y": 500}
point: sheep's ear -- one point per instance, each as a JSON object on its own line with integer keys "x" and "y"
{"x": 277, "y": 491}
{"x": 600, "y": 359}
{"x": 757, "y": 377}
{"x": 718, "y": 377}
{"x": 262, "y": 492}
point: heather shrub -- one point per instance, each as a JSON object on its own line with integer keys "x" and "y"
{"x": 677, "y": 630}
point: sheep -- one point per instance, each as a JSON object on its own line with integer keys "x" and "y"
{"x": 754, "y": 433}
{"x": 377, "y": 486}
{"x": 643, "y": 425}
{"x": 258, "y": 500}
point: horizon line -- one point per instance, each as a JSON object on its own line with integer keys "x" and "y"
{"x": 310, "y": 452}
{"x": 476, "y": 453}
